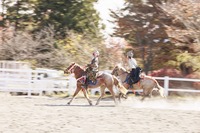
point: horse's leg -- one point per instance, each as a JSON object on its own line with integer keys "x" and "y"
{"x": 102, "y": 89}
{"x": 113, "y": 94}
{"x": 75, "y": 93}
{"x": 120, "y": 96}
{"x": 86, "y": 96}
{"x": 143, "y": 94}
{"x": 123, "y": 92}
{"x": 147, "y": 92}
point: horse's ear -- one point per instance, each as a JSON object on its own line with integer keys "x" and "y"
{"x": 73, "y": 63}
{"x": 119, "y": 65}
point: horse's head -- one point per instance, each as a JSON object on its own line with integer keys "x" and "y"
{"x": 115, "y": 71}
{"x": 118, "y": 70}
{"x": 70, "y": 69}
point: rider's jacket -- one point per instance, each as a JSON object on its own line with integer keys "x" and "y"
{"x": 94, "y": 65}
{"x": 132, "y": 63}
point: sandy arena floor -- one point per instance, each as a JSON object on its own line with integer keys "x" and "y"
{"x": 40, "y": 114}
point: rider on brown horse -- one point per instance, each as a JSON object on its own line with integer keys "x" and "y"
{"x": 92, "y": 69}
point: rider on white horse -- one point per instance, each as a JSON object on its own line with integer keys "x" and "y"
{"x": 132, "y": 66}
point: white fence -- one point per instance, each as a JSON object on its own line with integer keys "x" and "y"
{"x": 168, "y": 79}
{"x": 30, "y": 81}
{"x": 34, "y": 81}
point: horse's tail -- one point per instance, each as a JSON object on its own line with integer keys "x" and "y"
{"x": 121, "y": 88}
{"x": 160, "y": 88}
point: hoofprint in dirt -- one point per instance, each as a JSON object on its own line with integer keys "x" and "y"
{"x": 53, "y": 115}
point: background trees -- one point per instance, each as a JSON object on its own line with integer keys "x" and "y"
{"x": 163, "y": 33}
{"x": 77, "y": 15}
{"x": 142, "y": 24}
{"x": 53, "y": 32}
{"x": 151, "y": 27}
{"x": 185, "y": 33}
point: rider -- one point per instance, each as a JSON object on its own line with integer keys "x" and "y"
{"x": 132, "y": 63}
{"x": 92, "y": 68}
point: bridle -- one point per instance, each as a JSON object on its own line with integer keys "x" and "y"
{"x": 115, "y": 72}
{"x": 72, "y": 68}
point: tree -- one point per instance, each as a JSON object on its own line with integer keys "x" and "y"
{"x": 77, "y": 15}
{"x": 20, "y": 13}
{"x": 160, "y": 31}
{"x": 76, "y": 30}
{"x": 40, "y": 50}
{"x": 2, "y": 13}
{"x": 114, "y": 52}
{"x": 80, "y": 46}
{"x": 2, "y": 22}
{"x": 185, "y": 32}
{"x": 142, "y": 24}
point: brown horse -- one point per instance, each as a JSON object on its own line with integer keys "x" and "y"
{"x": 146, "y": 83}
{"x": 104, "y": 80}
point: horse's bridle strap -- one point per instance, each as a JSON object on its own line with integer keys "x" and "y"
{"x": 71, "y": 69}
{"x": 122, "y": 73}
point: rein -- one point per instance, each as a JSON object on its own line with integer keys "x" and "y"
{"x": 72, "y": 69}
{"x": 122, "y": 73}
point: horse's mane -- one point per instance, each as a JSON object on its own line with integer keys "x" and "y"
{"x": 77, "y": 65}
{"x": 121, "y": 67}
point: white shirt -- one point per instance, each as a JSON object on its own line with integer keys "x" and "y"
{"x": 132, "y": 63}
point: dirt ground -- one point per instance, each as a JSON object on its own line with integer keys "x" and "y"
{"x": 41, "y": 114}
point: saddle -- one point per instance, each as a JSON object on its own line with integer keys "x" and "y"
{"x": 91, "y": 77}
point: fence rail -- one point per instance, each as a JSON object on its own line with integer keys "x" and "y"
{"x": 168, "y": 79}
{"x": 30, "y": 81}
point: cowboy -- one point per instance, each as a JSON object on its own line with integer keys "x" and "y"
{"x": 134, "y": 69}
{"x": 92, "y": 68}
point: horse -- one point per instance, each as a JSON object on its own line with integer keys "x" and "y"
{"x": 104, "y": 80}
{"x": 146, "y": 83}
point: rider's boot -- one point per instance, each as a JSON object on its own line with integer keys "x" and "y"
{"x": 94, "y": 79}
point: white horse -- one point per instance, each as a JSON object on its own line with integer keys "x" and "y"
{"x": 146, "y": 83}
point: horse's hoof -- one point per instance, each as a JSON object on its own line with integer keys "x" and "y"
{"x": 125, "y": 96}
{"x": 142, "y": 100}
{"x": 68, "y": 103}
{"x": 90, "y": 103}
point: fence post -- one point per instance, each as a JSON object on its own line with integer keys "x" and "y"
{"x": 166, "y": 85}
{"x": 29, "y": 73}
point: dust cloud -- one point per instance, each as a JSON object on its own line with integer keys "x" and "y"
{"x": 173, "y": 103}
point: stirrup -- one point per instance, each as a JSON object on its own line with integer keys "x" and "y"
{"x": 130, "y": 86}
